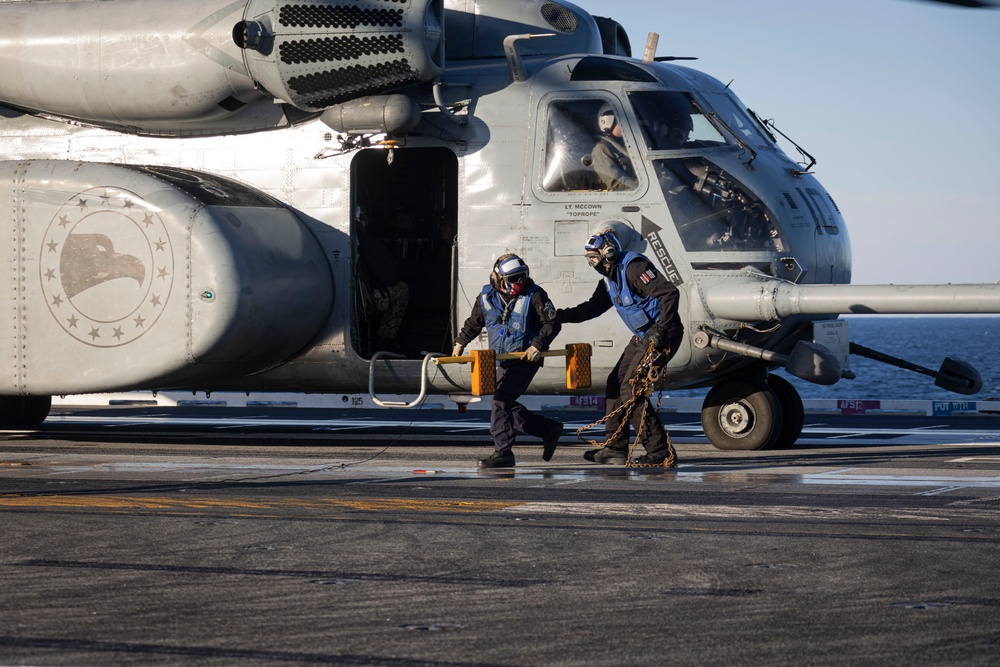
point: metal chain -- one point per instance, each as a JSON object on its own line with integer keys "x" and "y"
{"x": 643, "y": 384}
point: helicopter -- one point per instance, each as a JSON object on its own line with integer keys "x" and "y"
{"x": 224, "y": 195}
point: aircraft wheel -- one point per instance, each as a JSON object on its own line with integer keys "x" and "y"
{"x": 793, "y": 414}
{"x": 24, "y": 411}
{"x": 34, "y": 410}
{"x": 10, "y": 410}
{"x": 741, "y": 414}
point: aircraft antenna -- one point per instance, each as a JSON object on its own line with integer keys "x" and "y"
{"x": 649, "y": 55}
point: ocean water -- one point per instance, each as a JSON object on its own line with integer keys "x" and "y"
{"x": 924, "y": 341}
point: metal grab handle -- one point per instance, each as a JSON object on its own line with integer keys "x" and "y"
{"x": 423, "y": 380}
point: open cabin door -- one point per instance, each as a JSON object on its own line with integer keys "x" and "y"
{"x": 403, "y": 228}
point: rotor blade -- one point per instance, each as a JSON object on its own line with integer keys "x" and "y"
{"x": 972, "y": 4}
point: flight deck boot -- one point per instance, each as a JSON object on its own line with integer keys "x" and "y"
{"x": 501, "y": 459}
{"x": 553, "y": 432}
{"x": 661, "y": 457}
{"x": 606, "y": 455}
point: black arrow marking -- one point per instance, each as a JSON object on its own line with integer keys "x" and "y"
{"x": 651, "y": 232}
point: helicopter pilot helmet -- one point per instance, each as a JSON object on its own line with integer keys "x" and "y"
{"x": 510, "y": 274}
{"x": 674, "y": 129}
{"x": 606, "y": 120}
{"x": 680, "y": 119}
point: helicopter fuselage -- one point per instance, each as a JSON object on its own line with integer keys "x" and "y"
{"x": 498, "y": 194}
{"x": 244, "y": 196}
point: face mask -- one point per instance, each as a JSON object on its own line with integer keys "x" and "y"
{"x": 515, "y": 287}
{"x": 599, "y": 264}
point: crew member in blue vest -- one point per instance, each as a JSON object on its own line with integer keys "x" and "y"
{"x": 647, "y": 302}
{"x": 518, "y": 317}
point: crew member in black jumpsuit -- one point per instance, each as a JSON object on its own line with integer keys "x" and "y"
{"x": 647, "y": 302}
{"x": 519, "y": 317}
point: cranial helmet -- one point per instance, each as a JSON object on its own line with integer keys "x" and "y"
{"x": 510, "y": 274}
{"x": 606, "y": 118}
{"x": 605, "y": 245}
{"x": 603, "y": 251}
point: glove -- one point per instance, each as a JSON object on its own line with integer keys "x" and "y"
{"x": 533, "y": 354}
{"x": 457, "y": 350}
{"x": 653, "y": 339}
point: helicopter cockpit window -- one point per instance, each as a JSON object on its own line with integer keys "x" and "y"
{"x": 595, "y": 68}
{"x": 671, "y": 121}
{"x": 733, "y": 113}
{"x": 713, "y": 211}
{"x": 584, "y": 151}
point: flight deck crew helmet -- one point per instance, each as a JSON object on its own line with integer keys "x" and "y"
{"x": 603, "y": 251}
{"x": 606, "y": 120}
{"x": 510, "y": 274}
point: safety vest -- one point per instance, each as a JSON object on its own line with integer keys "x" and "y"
{"x": 638, "y": 312}
{"x": 514, "y": 335}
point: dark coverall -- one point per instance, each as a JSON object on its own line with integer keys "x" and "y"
{"x": 644, "y": 280}
{"x": 514, "y": 375}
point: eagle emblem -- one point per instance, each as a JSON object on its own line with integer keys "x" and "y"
{"x": 106, "y": 267}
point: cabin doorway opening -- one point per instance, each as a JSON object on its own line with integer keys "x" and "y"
{"x": 403, "y": 227}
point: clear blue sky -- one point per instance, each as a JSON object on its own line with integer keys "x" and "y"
{"x": 898, "y": 100}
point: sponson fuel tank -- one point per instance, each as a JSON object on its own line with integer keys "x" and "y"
{"x": 119, "y": 277}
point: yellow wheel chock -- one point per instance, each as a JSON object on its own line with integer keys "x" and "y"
{"x": 484, "y": 366}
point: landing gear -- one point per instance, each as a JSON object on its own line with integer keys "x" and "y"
{"x": 793, "y": 414}
{"x": 24, "y": 411}
{"x": 741, "y": 414}
{"x": 747, "y": 413}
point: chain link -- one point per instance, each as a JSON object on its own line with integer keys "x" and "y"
{"x": 643, "y": 384}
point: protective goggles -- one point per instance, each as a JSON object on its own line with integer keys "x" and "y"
{"x": 595, "y": 243}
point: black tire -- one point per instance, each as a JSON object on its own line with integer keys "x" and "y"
{"x": 34, "y": 410}
{"x": 10, "y": 410}
{"x": 793, "y": 414}
{"x": 24, "y": 411}
{"x": 741, "y": 414}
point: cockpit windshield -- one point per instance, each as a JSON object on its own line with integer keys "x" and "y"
{"x": 671, "y": 121}
{"x": 733, "y": 114}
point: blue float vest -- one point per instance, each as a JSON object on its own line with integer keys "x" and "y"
{"x": 639, "y": 313}
{"x": 514, "y": 335}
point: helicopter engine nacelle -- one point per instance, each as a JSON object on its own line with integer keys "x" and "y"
{"x": 150, "y": 277}
{"x": 321, "y": 53}
{"x": 173, "y": 68}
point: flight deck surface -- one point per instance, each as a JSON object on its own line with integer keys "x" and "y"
{"x": 173, "y": 536}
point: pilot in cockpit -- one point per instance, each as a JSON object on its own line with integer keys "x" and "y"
{"x": 672, "y": 132}
{"x": 610, "y": 158}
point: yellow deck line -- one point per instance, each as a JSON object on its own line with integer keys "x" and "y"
{"x": 142, "y": 502}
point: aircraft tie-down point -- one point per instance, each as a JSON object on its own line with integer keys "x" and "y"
{"x": 286, "y": 195}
